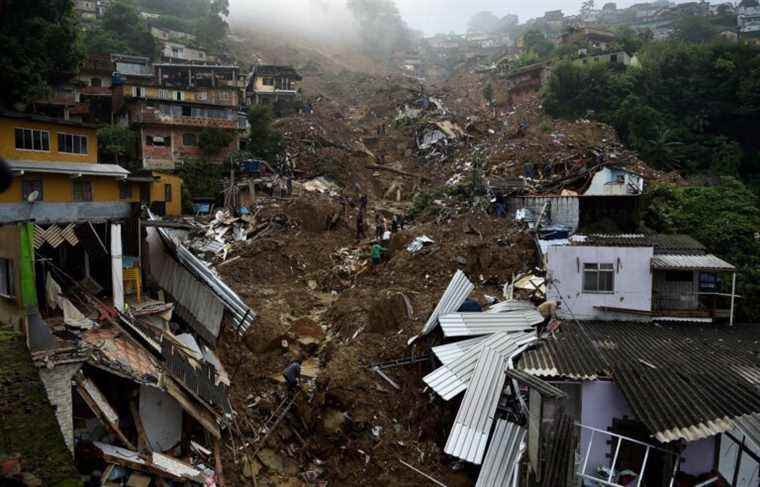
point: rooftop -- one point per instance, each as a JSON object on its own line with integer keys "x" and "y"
{"x": 675, "y": 244}
{"x": 269, "y": 69}
{"x": 683, "y": 381}
{"x": 45, "y": 119}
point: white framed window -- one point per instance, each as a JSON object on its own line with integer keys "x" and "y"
{"x": 7, "y": 278}
{"x": 598, "y": 278}
{"x": 138, "y": 92}
{"x": 32, "y": 140}
{"x": 72, "y": 143}
{"x": 268, "y": 81}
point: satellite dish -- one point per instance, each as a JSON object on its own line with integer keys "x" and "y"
{"x": 33, "y": 196}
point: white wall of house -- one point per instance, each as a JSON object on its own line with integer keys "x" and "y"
{"x": 610, "y": 181}
{"x": 632, "y": 286}
{"x": 600, "y": 402}
{"x": 698, "y": 457}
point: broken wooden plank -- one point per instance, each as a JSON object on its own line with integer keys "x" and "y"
{"x": 205, "y": 418}
{"x": 423, "y": 474}
{"x": 378, "y": 167}
{"x": 387, "y": 379}
{"x": 99, "y": 405}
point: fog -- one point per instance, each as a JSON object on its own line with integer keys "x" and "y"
{"x": 430, "y": 16}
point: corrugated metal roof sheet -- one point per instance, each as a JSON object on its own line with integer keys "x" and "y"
{"x": 503, "y": 456}
{"x": 682, "y": 381}
{"x": 451, "y": 379}
{"x": 86, "y": 169}
{"x": 512, "y": 305}
{"x": 457, "y": 291}
{"x": 242, "y": 315}
{"x": 450, "y": 352}
{"x": 707, "y": 262}
{"x": 195, "y": 303}
{"x": 662, "y": 243}
{"x": 544, "y": 388}
{"x": 470, "y": 324}
{"x": 469, "y": 436}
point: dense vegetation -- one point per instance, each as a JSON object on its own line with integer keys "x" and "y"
{"x": 689, "y": 107}
{"x": 39, "y": 48}
{"x": 121, "y": 30}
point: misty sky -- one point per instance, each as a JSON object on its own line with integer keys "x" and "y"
{"x": 430, "y": 16}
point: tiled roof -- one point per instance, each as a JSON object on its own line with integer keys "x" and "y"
{"x": 683, "y": 382}
{"x": 707, "y": 262}
{"x": 662, "y": 243}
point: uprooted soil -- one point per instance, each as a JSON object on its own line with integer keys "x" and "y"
{"x": 318, "y": 299}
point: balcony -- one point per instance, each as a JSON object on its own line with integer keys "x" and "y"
{"x": 95, "y": 90}
{"x": 152, "y": 116}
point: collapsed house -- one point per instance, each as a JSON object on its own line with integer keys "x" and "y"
{"x": 120, "y": 318}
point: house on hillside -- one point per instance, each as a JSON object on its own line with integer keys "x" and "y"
{"x": 522, "y": 83}
{"x": 639, "y": 277}
{"x": 170, "y": 109}
{"x": 269, "y": 85}
{"x": 617, "y": 57}
{"x": 594, "y": 38}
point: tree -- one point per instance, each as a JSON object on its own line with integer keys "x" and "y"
{"x": 38, "y": 39}
{"x": 694, "y": 28}
{"x": 212, "y": 140}
{"x": 122, "y": 29}
{"x": 263, "y": 141}
{"x": 115, "y": 144}
{"x": 483, "y": 22}
{"x": 536, "y": 41}
{"x": 212, "y": 27}
{"x": 587, "y": 7}
{"x": 381, "y": 27}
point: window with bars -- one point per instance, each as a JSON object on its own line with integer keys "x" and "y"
{"x": 125, "y": 190}
{"x": 32, "y": 139}
{"x": 72, "y": 144}
{"x": 7, "y": 278}
{"x": 598, "y": 278}
{"x": 29, "y": 186}
{"x": 82, "y": 190}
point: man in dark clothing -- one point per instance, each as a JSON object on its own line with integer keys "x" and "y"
{"x": 360, "y": 224}
{"x": 379, "y": 227}
{"x": 292, "y": 374}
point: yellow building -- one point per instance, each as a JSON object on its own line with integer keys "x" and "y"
{"x": 161, "y": 191}
{"x": 57, "y": 175}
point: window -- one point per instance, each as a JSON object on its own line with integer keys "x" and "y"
{"x": 268, "y": 81}
{"x": 167, "y": 192}
{"x": 598, "y": 278}
{"x": 29, "y": 186}
{"x": 708, "y": 282}
{"x": 189, "y": 139}
{"x": 125, "y": 190}
{"x": 96, "y": 82}
{"x": 82, "y": 190}
{"x": 613, "y": 58}
{"x": 138, "y": 92}
{"x": 679, "y": 276}
{"x": 157, "y": 141}
{"x": 7, "y": 278}
{"x": 32, "y": 139}
{"x": 178, "y": 95}
{"x": 187, "y": 111}
{"x": 73, "y": 144}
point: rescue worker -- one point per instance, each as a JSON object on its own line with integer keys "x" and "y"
{"x": 376, "y": 254}
{"x": 292, "y": 374}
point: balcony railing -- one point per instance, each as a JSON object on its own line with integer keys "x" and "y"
{"x": 146, "y": 116}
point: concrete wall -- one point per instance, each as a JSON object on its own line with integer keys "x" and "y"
{"x": 10, "y": 308}
{"x": 632, "y": 280}
{"x": 600, "y": 402}
{"x": 167, "y": 157}
{"x": 8, "y": 142}
{"x": 605, "y": 183}
{"x": 699, "y": 456}
{"x": 563, "y": 210}
{"x": 57, "y": 383}
{"x": 157, "y": 192}
{"x": 44, "y": 213}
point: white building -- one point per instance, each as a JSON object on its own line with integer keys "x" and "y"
{"x": 174, "y": 51}
{"x": 614, "y": 181}
{"x": 638, "y": 277}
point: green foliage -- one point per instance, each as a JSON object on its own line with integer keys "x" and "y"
{"x": 212, "y": 140}
{"x": 202, "y": 179}
{"x": 116, "y": 144}
{"x": 690, "y": 107}
{"x": 38, "y": 39}
{"x": 120, "y": 30}
{"x": 488, "y": 93}
{"x": 264, "y": 141}
{"x": 536, "y": 41}
{"x": 725, "y": 218}
{"x": 694, "y": 28}
{"x": 381, "y": 27}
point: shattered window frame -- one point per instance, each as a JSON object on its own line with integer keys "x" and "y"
{"x": 598, "y": 278}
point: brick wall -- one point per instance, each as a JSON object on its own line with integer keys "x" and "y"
{"x": 57, "y": 383}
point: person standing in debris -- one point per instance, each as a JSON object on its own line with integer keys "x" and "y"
{"x": 292, "y": 374}
{"x": 548, "y": 310}
{"x": 360, "y": 224}
{"x": 379, "y": 226}
{"x": 376, "y": 254}
{"x": 395, "y": 224}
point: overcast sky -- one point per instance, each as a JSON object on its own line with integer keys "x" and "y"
{"x": 430, "y": 16}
